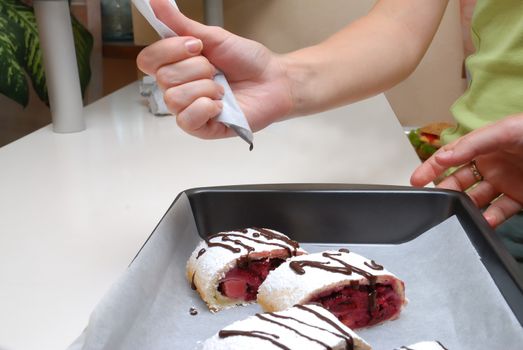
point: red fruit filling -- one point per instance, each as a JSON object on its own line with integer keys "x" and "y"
{"x": 358, "y": 306}
{"x": 243, "y": 281}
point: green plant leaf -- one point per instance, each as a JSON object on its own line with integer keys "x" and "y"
{"x": 31, "y": 54}
{"x": 13, "y": 82}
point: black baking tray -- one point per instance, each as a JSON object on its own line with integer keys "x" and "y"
{"x": 356, "y": 214}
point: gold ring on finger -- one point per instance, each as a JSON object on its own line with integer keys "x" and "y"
{"x": 475, "y": 172}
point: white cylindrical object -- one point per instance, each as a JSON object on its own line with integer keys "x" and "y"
{"x": 213, "y": 12}
{"x": 61, "y": 70}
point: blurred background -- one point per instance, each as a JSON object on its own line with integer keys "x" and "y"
{"x": 119, "y": 32}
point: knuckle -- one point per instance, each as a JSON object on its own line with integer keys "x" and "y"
{"x": 207, "y": 105}
{"x": 175, "y": 94}
{"x": 164, "y": 77}
{"x": 445, "y": 148}
{"x": 206, "y": 67}
{"x": 196, "y": 114}
{"x": 181, "y": 121}
{"x": 210, "y": 88}
{"x": 474, "y": 198}
{"x": 455, "y": 181}
{"x": 513, "y": 129}
{"x": 173, "y": 101}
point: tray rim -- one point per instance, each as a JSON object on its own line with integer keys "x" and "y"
{"x": 486, "y": 234}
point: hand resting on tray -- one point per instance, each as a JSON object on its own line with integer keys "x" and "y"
{"x": 497, "y": 152}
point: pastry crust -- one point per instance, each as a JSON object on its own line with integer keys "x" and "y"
{"x": 301, "y": 327}
{"x": 284, "y": 287}
{"x": 210, "y": 261}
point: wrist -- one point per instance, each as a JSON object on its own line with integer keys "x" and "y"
{"x": 300, "y": 78}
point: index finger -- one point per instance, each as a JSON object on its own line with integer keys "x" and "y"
{"x": 427, "y": 172}
{"x": 490, "y": 138}
{"x": 167, "y": 51}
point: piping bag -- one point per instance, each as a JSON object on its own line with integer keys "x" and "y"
{"x": 231, "y": 114}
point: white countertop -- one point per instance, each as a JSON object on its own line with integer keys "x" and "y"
{"x": 75, "y": 208}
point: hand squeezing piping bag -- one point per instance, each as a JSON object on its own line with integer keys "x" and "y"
{"x": 231, "y": 115}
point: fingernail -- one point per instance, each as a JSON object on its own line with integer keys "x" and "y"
{"x": 490, "y": 219}
{"x": 445, "y": 154}
{"x": 194, "y": 46}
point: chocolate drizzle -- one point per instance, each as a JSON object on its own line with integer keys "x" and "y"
{"x": 349, "y": 341}
{"x": 270, "y": 235}
{"x": 264, "y": 318}
{"x": 443, "y": 347}
{"x": 345, "y": 268}
{"x": 286, "y": 243}
{"x": 299, "y": 267}
{"x": 227, "y": 238}
{"x": 200, "y": 253}
{"x": 193, "y": 286}
{"x": 218, "y": 244}
{"x": 373, "y": 265}
{"x": 253, "y": 334}
{"x": 407, "y": 348}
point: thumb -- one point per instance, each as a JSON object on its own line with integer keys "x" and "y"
{"x": 166, "y": 12}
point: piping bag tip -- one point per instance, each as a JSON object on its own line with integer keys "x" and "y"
{"x": 245, "y": 135}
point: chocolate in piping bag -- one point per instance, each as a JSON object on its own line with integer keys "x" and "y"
{"x": 231, "y": 114}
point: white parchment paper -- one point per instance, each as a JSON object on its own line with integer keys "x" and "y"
{"x": 231, "y": 114}
{"x": 452, "y": 297}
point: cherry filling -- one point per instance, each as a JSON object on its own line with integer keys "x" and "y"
{"x": 362, "y": 305}
{"x": 243, "y": 281}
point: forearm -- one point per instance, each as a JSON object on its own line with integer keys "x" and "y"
{"x": 365, "y": 58}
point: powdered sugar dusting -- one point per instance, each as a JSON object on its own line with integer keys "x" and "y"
{"x": 296, "y": 323}
{"x": 425, "y": 345}
{"x": 284, "y": 287}
{"x": 208, "y": 264}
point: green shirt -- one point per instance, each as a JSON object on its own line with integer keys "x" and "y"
{"x": 496, "y": 68}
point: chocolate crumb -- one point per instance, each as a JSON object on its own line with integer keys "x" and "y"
{"x": 193, "y": 311}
